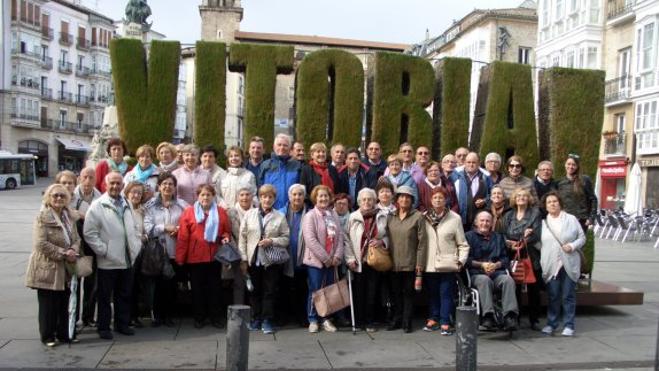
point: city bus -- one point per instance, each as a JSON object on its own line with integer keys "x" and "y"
{"x": 16, "y": 170}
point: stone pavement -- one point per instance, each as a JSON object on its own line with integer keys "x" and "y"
{"x": 620, "y": 337}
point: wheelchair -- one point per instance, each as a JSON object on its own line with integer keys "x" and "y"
{"x": 469, "y": 296}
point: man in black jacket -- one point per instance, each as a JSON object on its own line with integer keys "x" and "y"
{"x": 544, "y": 181}
{"x": 354, "y": 177}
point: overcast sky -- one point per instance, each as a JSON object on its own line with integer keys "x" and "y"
{"x": 399, "y": 21}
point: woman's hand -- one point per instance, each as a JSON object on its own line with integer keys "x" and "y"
{"x": 567, "y": 248}
{"x": 376, "y": 243}
{"x": 265, "y": 242}
{"x": 352, "y": 265}
{"x": 70, "y": 255}
{"x": 528, "y": 232}
{"x": 335, "y": 261}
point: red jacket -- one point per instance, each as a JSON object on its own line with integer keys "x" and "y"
{"x": 102, "y": 169}
{"x": 190, "y": 245}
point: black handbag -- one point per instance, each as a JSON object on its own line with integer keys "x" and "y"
{"x": 154, "y": 258}
{"x": 227, "y": 254}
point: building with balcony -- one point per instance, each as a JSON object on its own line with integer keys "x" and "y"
{"x": 484, "y": 36}
{"x": 56, "y": 82}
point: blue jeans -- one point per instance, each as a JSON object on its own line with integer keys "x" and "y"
{"x": 316, "y": 278}
{"x": 442, "y": 287}
{"x": 561, "y": 291}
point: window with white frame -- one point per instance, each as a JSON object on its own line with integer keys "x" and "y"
{"x": 558, "y": 15}
{"x": 582, "y": 54}
{"x": 592, "y": 57}
{"x": 556, "y": 61}
{"x": 569, "y": 59}
{"x": 620, "y": 123}
{"x": 645, "y": 44}
{"x": 647, "y": 127}
{"x": 594, "y": 11}
{"x": 545, "y": 13}
{"x": 62, "y": 118}
{"x": 524, "y": 55}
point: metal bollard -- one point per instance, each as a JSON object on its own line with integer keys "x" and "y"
{"x": 466, "y": 339}
{"x": 656, "y": 354}
{"x": 237, "y": 337}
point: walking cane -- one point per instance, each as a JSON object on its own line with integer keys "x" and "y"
{"x": 352, "y": 307}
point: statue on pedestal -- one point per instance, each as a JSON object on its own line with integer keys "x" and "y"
{"x": 137, "y": 11}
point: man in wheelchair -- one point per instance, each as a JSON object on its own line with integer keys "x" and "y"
{"x": 488, "y": 270}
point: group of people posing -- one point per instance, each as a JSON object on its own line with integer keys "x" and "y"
{"x": 296, "y": 224}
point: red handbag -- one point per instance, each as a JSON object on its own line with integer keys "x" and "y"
{"x": 521, "y": 269}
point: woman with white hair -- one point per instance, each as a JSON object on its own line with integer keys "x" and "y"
{"x": 244, "y": 203}
{"x": 493, "y": 166}
{"x": 235, "y": 179}
{"x": 367, "y": 228}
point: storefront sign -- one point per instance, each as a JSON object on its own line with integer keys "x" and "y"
{"x": 613, "y": 169}
{"x": 648, "y": 163}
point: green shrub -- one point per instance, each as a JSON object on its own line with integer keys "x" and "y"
{"x": 261, "y": 64}
{"x": 451, "y": 105}
{"x": 210, "y": 95}
{"x": 145, "y": 98}
{"x": 509, "y": 126}
{"x": 572, "y": 116}
{"x": 403, "y": 88}
{"x": 318, "y": 117}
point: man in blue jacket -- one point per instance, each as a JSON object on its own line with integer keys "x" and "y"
{"x": 353, "y": 177}
{"x": 487, "y": 264}
{"x": 472, "y": 187}
{"x": 280, "y": 170}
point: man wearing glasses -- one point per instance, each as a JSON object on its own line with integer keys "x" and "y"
{"x": 544, "y": 180}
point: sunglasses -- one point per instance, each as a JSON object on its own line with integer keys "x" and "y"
{"x": 422, "y": 153}
{"x": 573, "y": 156}
{"x": 515, "y": 166}
{"x": 58, "y": 195}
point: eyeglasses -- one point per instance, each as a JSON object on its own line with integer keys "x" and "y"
{"x": 515, "y": 166}
{"x": 544, "y": 169}
{"x": 422, "y": 153}
{"x": 58, "y": 195}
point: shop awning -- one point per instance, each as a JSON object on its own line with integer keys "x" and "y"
{"x": 75, "y": 144}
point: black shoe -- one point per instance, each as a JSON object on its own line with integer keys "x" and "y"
{"x": 488, "y": 322}
{"x": 89, "y": 323}
{"x": 510, "y": 322}
{"x": 105, "y": 334}
{"x": 535, "y": 326}
{"x": 169, "y": 322}
{"x": 125, "y": 331}
{"x": 136, "y": 323}
{"x": 407, "y": 328}
{"x": 217, "y": 324}
{"x": 198, "y": 324}
{"x": 393, "y": 326}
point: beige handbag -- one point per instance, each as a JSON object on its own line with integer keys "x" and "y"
{"x": 331, "y": 298}
{"x": 379, "y": 259}
{"x": 84, "y": 266}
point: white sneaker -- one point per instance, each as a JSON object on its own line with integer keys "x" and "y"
{"x": 329, "y": 326}
{"x": 313, "y": 327}
{"x": 548, "y": 330}
{"x": 568, "y": 332}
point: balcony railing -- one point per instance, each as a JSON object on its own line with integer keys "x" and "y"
{"x": 47, "y": 63}
{"x": 618, "y": 8}
{"x": 64, "y": 67}
{"x": 47, "y": 33}
{"x": 82, "y": 71}
{"x": 618, "y": 89}
{"x": 65, "y": 39}
{"x": 24, "y": 116}
{"x": 27, "y": 82}
{"x": 82, "y": 99}
{"x": 97, "y": 71}
{"x": 83, "y": 44}
{"x": 615, "y": 144}
{"x": 64, "y": 96}
{"x": 46, "y": 93}
{"x": 59, "y": 125}
{"x": 25, "y": 53}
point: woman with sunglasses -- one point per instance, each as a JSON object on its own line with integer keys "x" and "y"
{"x": 516, "y": 179}
{"x": 576, "y": 191}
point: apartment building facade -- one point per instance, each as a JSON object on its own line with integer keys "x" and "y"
{"x": 57, "y": 80}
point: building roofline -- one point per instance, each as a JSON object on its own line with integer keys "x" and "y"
{"x": 317, "y": 40}
{"x": 83, "y": 9}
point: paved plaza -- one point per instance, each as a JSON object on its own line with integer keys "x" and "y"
{"x": 612, "y": 337}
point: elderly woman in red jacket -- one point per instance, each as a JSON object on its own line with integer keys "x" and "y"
{"x": 202, "y": 228}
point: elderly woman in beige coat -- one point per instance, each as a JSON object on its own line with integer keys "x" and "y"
{"x": 447, "y": 254}
{"x": 367, "y": 228}
{"x": 263, "y": 228}
{"x": 56, "y": 243}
